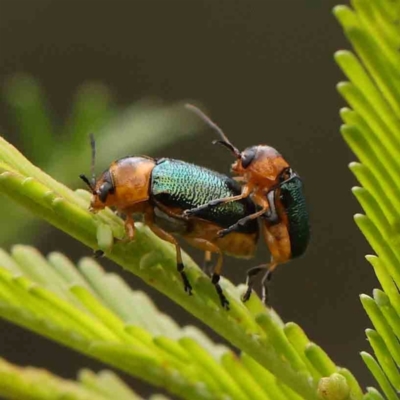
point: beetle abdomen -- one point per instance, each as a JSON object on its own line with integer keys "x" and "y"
{"x": 293, "y": 201}
{"x": 186, "y": 186}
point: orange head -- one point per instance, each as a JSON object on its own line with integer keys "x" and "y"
{"x": 102, "y": 189}
{"x": 263, "y": 165}
{"x": 125, "y": 184}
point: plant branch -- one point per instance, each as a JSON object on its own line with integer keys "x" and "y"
{"x": 259, "y": 334}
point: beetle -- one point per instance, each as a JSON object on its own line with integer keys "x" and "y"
{"x": 277, "y": 190}
{"x": 161, "y": 190}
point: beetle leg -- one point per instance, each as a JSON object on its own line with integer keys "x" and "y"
{"x": 98, "y": 254}
{"x": 264, "y": 284}
{"x": 242, "y": 222}
{"x": 169, "y": 238}
{"x": 207, "y": 246}
{"x": 246, "y": 190}
{"x": 252, "y": 273}
{"x": 130, "y": 226}
{"x": 129, "y": 229}
{"x": 215, "y": 280}
{"x": 210, "y": 204}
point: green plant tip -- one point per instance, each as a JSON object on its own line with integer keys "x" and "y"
{"x": 381, "y": 298}
{"x": 334, "y": 387}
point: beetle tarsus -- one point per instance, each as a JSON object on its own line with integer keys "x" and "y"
{"x": 247, "y": 294}
{"x": 224, "y": 301}
{"x": 204, "y": 207}
{"x": 264, "y": 285}
{"x": 232, "y": 228}
{"x": 224, "y": 232}
{"x": 251, "y": 276}
{"x": 235, "y": 227}
{"x": 98, "y": 253}
{"x": 196, "y": 210}
{"x": 187, "y": 287}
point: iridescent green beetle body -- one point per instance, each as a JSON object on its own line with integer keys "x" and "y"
{"x": 294, "y": 205}
{"x": 178, "y": 184}
{"x": 277, "y": 192}
{"x": 288, "y": 205}
{"x": 161, "y": 190}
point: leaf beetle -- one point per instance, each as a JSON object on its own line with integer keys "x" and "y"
{"x": 277, "y": 191}
{"x": 161, "y": 190}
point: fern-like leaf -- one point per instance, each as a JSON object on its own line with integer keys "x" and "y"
{"x": 372, "y": 130}
{"x": 282, "y": 350}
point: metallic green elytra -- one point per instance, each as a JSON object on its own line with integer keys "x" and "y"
{"x": 293, "y": 200}
{"x": 183, "y": 185}
{"x": 160, "y": 191}
{"x": 294, "y": 207}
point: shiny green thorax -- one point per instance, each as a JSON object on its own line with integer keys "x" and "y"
{"x": 180, "y": 184}
{"x": 293, "y": 201}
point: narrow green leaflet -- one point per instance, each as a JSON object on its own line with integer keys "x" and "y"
{"x": 96, "y": 313}
{"x": 250, "y": 327}
{"x": 372, "y": 130}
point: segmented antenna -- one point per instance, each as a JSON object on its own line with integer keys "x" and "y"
{"x": 92, "y": 166}
{"x": 91, "y": 183}
{"x": 225, "y": 141}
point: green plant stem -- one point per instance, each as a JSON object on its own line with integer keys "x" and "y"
{"x": 150, "y": 259}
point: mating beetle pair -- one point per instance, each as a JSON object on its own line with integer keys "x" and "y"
{"x": 211, "y": 211}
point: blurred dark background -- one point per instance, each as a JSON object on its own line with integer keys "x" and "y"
{"x": 264, "y": 70}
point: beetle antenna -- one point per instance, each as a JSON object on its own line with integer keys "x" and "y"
{"x": 92, "y": 166}
{"x": 91, "y": 183}
{"x": 225, "y": 141}
{"x": 87, "y": 181}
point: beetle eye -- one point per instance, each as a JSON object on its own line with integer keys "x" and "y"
{"x": 104, "y": 190}
{"x": 247, "y": 156}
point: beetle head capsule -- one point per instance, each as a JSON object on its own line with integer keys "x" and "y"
{"x": 100, "y": 188}
{"x": 103, "y": 192}
{"x": 262, "y": 165}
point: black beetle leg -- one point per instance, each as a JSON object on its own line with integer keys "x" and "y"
{"x": 215, "y": 281}
{"x": 242, "y": 222}
{"x": 98, "y": 253}
{"x": 203, "y": 207}
{"x": 216, "y": 202}
{"x": 169, "y": 238}
{"x": 264, "y": 286}
{"x": 209, "y": 247}
{"x": 252, "y": 273}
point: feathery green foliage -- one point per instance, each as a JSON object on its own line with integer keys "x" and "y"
{"x": 282, "y": 355}
{"x": 372, "y": 130}
{"x": 98, "y": 314}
